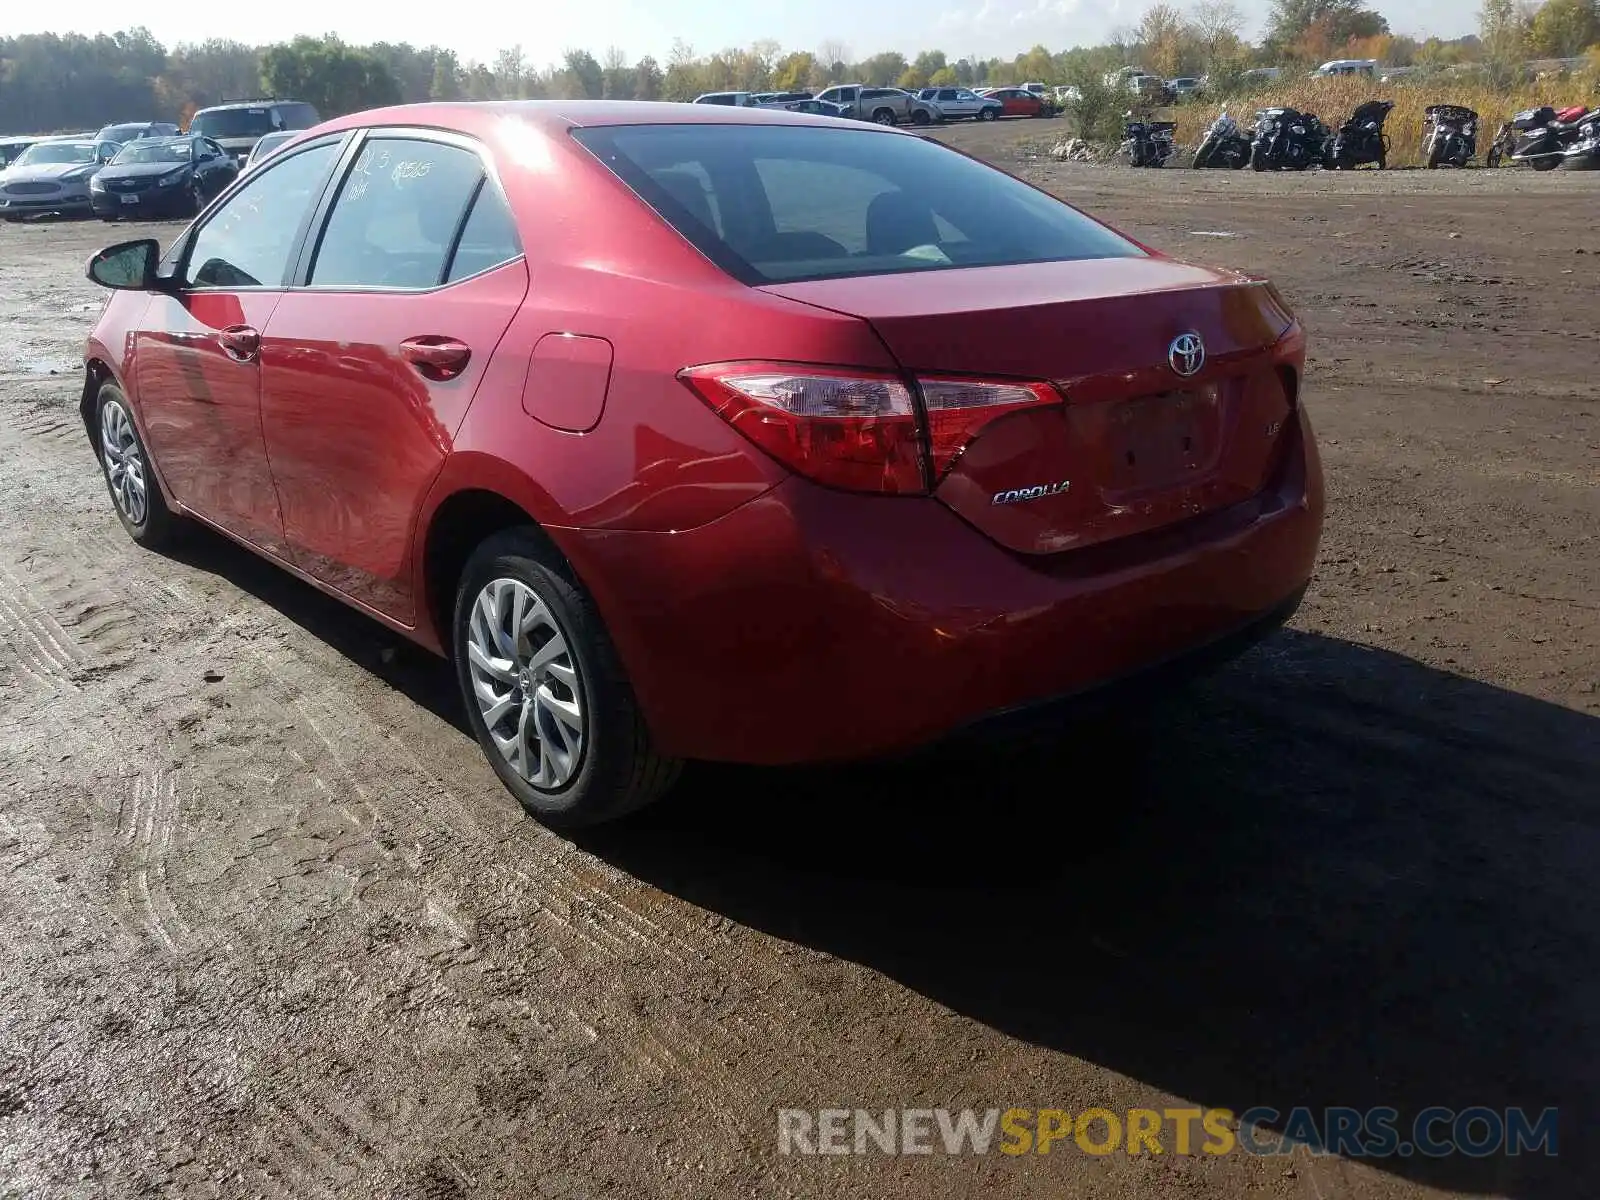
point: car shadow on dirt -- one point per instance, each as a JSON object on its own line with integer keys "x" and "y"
{"x": 1328, "y": 876}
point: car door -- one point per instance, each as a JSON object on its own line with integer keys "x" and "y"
{"x": 215, "y": 167}
{"x": 196, "y": 354}
{"x": 368, "y": 368}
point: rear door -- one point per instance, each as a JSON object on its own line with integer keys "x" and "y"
{"x": 368, "y": 368}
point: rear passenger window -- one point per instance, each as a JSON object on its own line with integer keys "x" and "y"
{"x": 489, "y": 237}
{"x": 396, "y": 216}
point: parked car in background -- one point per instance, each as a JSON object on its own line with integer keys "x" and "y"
{"x": 162, "y": 177}
{"x": 237, "y": 125}
{"x": 266, "y": 146}
{"x": 817, "y": 108}
{"x": 1014, "y": 102}
{"x": 731, "y": 99}
{"x": 1184, "y": 86}
{"x": 12, "y": 147}
{"x": 1348, "y": 66}
{"x": 52, "y": 176}
{"x": 956, "y": 103}
{"x": 132, "y": 131}
{"x": 886, "y": 521}
{"x": 882, "y": 106}
{"x": 1138, "y": 82}
{"x": 778, "y": 99}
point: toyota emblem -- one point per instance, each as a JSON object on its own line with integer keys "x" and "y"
{"x": 1187, "y": 354}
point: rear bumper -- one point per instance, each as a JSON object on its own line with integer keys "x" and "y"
{"x": 810, "y": 625}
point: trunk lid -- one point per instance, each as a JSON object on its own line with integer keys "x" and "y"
{"x": 1136, "y": 445}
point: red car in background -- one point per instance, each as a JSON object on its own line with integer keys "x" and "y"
{"x": 702, "y": 432}
{"x": 1018, "y": 102}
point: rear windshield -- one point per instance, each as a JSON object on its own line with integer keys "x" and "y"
{"x": 776, "y": 204}
{"x": 233, "y": 123}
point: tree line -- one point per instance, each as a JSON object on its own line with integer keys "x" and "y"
{"x": 70, "y": 81}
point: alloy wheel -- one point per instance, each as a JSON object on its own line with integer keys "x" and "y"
{"x": 525, "y": 681}
{"x": 124, "y": 463}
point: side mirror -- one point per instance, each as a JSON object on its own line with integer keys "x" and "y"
{"x": 127, "y": 266}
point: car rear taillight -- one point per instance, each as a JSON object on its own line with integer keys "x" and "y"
{"x": 958, "y": 408}
{"x": 861, "y": 430}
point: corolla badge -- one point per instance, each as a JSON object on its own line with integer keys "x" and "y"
{"x": 1187, "y": 354}
{"x": 1037, "y": 492}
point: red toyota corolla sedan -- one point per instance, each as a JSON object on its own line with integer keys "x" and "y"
{"x": 694, "y": 432}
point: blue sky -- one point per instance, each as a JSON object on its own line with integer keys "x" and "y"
{"x": 547, "y": 27}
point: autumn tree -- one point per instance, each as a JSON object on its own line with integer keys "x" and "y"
{"x": 1503, "y": 31}
{"x": 1564, "y": 28}
{"x": 1217, "y": 26}
{"x": 1161, "y": 34}
{"x": 1310, "y": 29}
{"x": 326, "y": 72}
{"x": 583, "y": 76}
{"x": 834, "y": 56}
{"x": 683, "y": 78}
{"x": 792, "y": 72}
{"x": 616, "y": 76}
{"x": 648, "y": 82}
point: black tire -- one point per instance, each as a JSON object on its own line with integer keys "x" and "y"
{"x": 1435, "y": 153}
{"x": 1258, "y": 161}
{"x": 618, "y": 770}
{"x": 126, "y": 466}
{"x": 883, "y": 116}
{"x": 1383, "y": 158}
{"x": 1202, "y": 156}
{"x": 987, "y": 114}
{"x": 920, "y": 117}
{"x": 1545, "y": 162}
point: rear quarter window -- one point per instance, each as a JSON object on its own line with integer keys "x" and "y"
{"x": 787, "y": 203}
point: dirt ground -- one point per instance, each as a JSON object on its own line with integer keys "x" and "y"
{"x": 270, "y": 927}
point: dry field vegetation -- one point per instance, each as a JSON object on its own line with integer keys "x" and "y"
{"x": 1334, "y": 99}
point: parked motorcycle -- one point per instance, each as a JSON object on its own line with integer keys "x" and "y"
{"x": 1147, "y": 143}
{"x": 1361, "y": 139}
{"x": 1584, "y": 153}
{"x": 1543, "y": 135}
{"x": 1224, "y": 145}
{"x": 1505, "y": 141}
{"x": 1288, "y": 140}
{"x": 1449, "y": 135}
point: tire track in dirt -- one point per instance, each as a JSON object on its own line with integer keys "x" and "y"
{"x": 148, "y": 813}
{"x": 37, "y": 647}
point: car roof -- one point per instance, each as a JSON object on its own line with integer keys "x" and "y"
{"x": 264, "y": 103}
{"x": 557, "y": 116}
